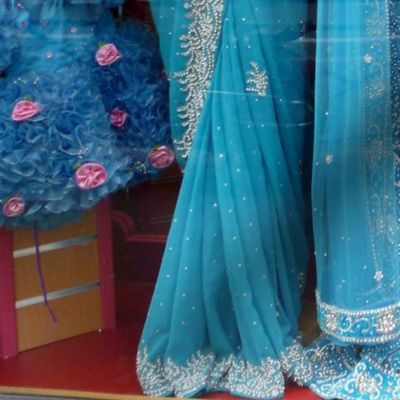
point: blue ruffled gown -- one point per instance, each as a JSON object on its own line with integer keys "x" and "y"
{"x": 83, "y": 108}
{"x": 224, "y": 314}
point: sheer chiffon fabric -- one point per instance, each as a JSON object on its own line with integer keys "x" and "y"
{"x": 224, "y": 312}
{"x": 356, "y": 200}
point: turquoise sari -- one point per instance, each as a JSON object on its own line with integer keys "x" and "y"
{"x": 224, "y": 315}
{"x": 356, "y": 200}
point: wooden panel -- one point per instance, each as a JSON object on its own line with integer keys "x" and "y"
{"x": 62, "y": 269}
{"x": 23, "y": 237}
{"x": 75, "y": 314}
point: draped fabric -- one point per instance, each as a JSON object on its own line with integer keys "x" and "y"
{"x": 226, "y": 304}
{"x": 356, "y": 199}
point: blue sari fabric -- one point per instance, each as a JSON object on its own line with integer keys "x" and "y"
{"x": 225, "y": 309}
{"x": 48, "y": 57}
{"x": 356, "y": 199}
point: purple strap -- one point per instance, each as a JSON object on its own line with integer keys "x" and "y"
{"x": 39, "y": 271}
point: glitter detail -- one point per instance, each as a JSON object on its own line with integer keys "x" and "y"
{"x": 378, "y": 276}
{"x": 257, "y": 81}
{"x": 367, "y": 58}
{"x": 199, "y": 46}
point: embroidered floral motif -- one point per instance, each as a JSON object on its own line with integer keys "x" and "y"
{"x": 258, "y": 80}
{"x": 199, "y": 46}
{"x": 369, "y": 381}
{"x": 368, "y": 385}
{"x": 359, "y": 327}
{"x": 386, "y": 323}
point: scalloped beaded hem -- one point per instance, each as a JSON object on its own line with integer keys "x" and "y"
{"x": 203, "y": 372}
{"x": 371, "y": 326}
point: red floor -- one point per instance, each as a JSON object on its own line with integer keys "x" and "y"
{"x": 97, "y": 362}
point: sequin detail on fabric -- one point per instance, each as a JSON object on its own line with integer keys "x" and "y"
{"x": 377, "y": 151}
{"x": 199, "y": 46}
{"x": 257, "y": 82}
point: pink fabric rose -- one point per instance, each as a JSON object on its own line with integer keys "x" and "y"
{"x": 161, "y": 157}
{"x": 90, "y": 176}
{"x": 107, "y": 54}
{"x": 25, "y": 109}
{"x": 118, "y": 117}
{"x": 14, "y": 207}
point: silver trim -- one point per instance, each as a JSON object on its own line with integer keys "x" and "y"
{"x": 56, "y": 295}
{"x": 62, "y": 244}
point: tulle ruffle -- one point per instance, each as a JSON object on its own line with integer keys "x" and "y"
{"x": 75, "y": 119}
{"x": 9, "y": 41}
{"x": 39, "y": 156}
{"x": 134, "y": 85}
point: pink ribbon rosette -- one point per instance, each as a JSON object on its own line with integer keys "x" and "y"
{"x": 107, "y": 54}
{"x": 161, "y": 157}
{"x": 14, "y": 207}
{"x": 90, "y": 176}
{"x": 24, "y": 110}
{"x": 118, "y": 117}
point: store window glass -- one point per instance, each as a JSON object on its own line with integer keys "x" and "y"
{"x": 200, "y": 198}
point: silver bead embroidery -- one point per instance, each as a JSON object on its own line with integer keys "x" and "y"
{"x": 360, "y": 326}
{"x": 331, "y": 365}
{"x": 378, "y": 276}
{"x": 296, "y": 365}
{"x": 258, "y": 80}
{"x": 329, "y": 159}
{"x": 232, "y": 374}
{"x": 199, "y": 46}
{"x": 367, "y": 384}
{"x": 386, "y": 323}
{"x": 367, "y": 58}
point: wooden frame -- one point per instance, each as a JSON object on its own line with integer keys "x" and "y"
{"x": 8, "y": 324}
